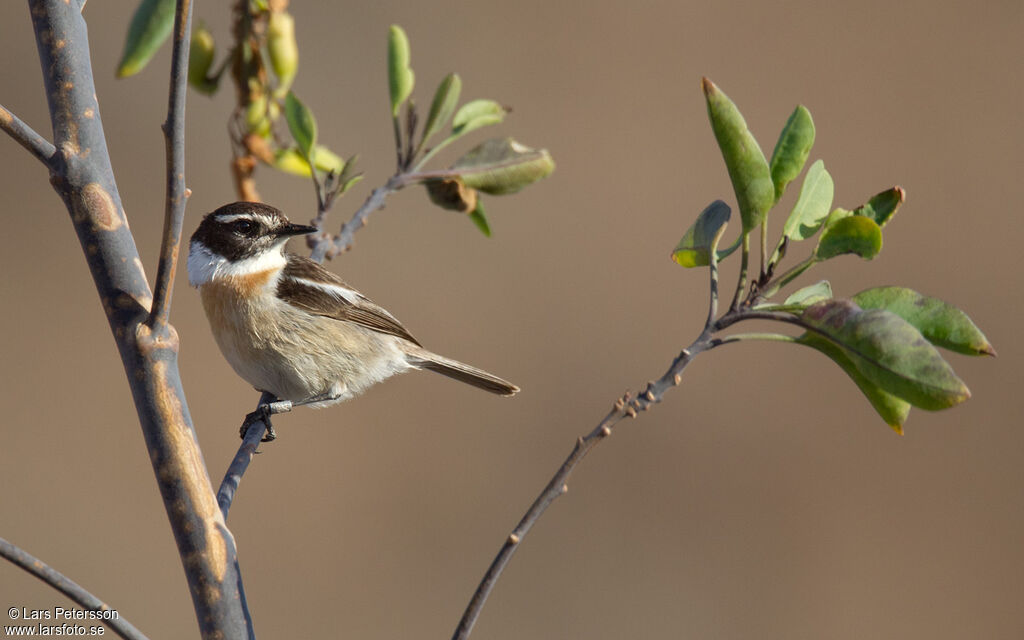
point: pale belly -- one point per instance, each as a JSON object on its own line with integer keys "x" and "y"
{"x": 293, "y": 354}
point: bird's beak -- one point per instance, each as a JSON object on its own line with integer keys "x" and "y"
{"x": 295, "y": 230}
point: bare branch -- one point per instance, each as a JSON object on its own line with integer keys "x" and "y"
{"x": 26, "y": 136}
{"x": 626, "y": 406}
{"x": 326, "y": 247}
{"x": 174, "y": 138}
{"x": 238, "y": 466}
{"x": 68, "y": 587}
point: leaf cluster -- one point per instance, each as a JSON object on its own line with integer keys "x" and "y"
{"x": 884, "y": 338}
{"x": 265, "y": 60}
{"x": 497, "y": 166}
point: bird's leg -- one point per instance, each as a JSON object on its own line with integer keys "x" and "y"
{"x": 264, "y": 411}
{"x": 327, "y": 396}
{"x": 262, "y": 414}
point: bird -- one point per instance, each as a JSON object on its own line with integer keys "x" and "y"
{"x": 293, "y": 329}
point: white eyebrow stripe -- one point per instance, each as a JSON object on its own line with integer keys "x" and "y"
{"x": 248, "y": 215}
{"x": 350, "y": 296}
{"x": 231, "y": 217}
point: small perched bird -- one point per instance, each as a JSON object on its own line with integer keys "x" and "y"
{"x": 291, "y": 328}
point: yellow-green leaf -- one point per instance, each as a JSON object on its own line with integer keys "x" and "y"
{"x": 939, "y": 322}
{"x": 694, "y": 249}
{"x": 881, "y": 207}
{"x": 850, "y": 234}
{"x": 810, "y": 295}
{"x": 889, "y": 352}
{"x": 301, "y": 124}
{"x": 480, "y": 220}
{"x": 476, "y": 114}
{"x": 812, "y": 206}
{"x": 792, "y": 149}
{"x": 400, "y": 76}
{"x": 502, "y": 166}
{"x": 748, "y": 170}
{"x": 150, "y": 27}
{"x": 201, "y": 53}
{"x": 892, "y": 410}
{"x": 441, "y": 109}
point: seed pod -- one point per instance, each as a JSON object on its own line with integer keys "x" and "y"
{"x": 256, "y": 119}
{"x": 283, "y": 50}
{"x": 200, "y": 58}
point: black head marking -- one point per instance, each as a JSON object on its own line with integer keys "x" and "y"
{"x": 244, "y": 229}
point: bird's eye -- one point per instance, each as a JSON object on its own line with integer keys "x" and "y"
{"x": 243, "y": 227}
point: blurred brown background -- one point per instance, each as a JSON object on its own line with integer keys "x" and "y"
{"x": 763, "y": 499}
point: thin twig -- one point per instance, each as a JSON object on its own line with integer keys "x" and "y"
{"x": 238, "y": 466}
{"x": 773, "y": 286}
{"x": 326, "y": 247}
{"x": 174, "y": 140}
{"x": 70, "y": 588}
{"x": 399, "y": 161}
{"x": 747, "y": 337}
{"x": 626, "y": 406}
{"x": 764, "y": 251}
{"x": 741, "y": 281}
{"x": 713, "y": 275}
{"x": 26, "y": 136}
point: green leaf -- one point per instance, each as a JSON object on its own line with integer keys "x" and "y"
{"x": 892, "y": 410}
{"x": 400, "y": 77}
{"x": 479, "y": 219}
{"x": 694, "y": 250}
{"x": 201, "y": 52}
{"x": 502, "y": 166}
{"x": 748, "y": 170}
{"x": 812, "y": 206}
{"x": 792, "y": 149}
{"x": 348, "y": 177}
{"x": 327, "y": 160}
{"x": 445, "y": 99}
{"x": 889, "y": 352}
{"x": 292, "y": 161}
{"x": 850, "y": 234}
{"x": 476, "y": 114}
{"x": 882, "y": 206}
{"x": 301, "y": 124}
{"x": 150, "y": 26}
{"x": 939, "y": 322}
{"x": 810, "y": 294}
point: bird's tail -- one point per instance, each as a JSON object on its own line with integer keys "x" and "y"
{"x": 463, "y": 373}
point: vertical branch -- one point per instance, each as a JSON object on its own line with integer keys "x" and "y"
{"x": 82, "y": 175}
{"x": 174, "y": 140}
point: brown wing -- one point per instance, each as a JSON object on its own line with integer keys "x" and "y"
{"x": 308, "y": 286}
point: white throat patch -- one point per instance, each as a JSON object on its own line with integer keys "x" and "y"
{"x": 205, "y": 266}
